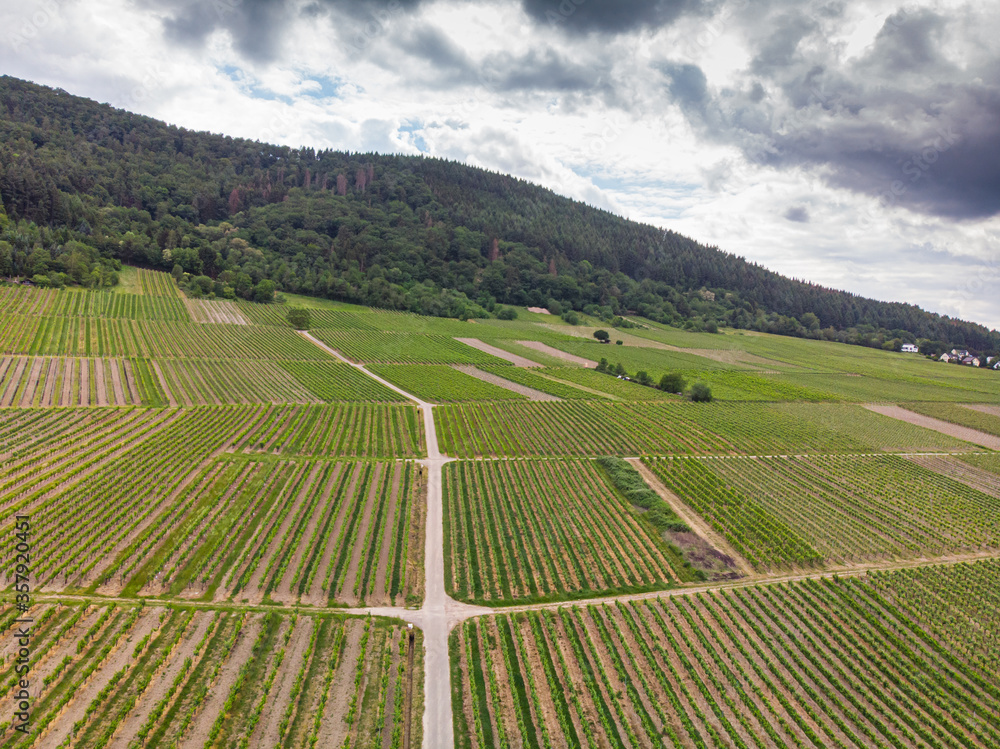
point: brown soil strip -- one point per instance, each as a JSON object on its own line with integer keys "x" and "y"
{"x": 615, "y": 690}
{"x": 163, "y": 384}
{"x": 13, "y": 381}
{"x": 28, "y": 397}
{"x": 84, "y": 381}
{"x": 283, "y": 592}
{"x": 67, "y": 385}
{"x": 549, "y": 716}
{"x": 573, "y": 680}
{"x": 218, "y": 692}
{"x": 265, "y": 735}
{"x": 102, "y": 388}
{"x": 952, "y": 430}
{"x": 50, "y": 383}
{"x": 130, "y": 381}
{"x": 65, "y": 646}
{"x": 116, "y": 384}
{"x": 517, "y": 361}
{"x": 347, "y": 592}
{"x": 543, "y": 348}
{"x": 161, "y": 682}
{"x": 117, "y": 659}
{"x": 514, "y": 387}
{"x": 333, "y": 729}
{"x": 690, "y": 517}
{"x": 380, "y": 596}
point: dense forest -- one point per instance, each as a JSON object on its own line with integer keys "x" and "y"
{"x": 85, "y": 187}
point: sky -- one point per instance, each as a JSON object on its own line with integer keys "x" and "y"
{"x": 852, "y": 144}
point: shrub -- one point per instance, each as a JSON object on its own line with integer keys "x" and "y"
{"x": 700, "y": 393}
{"x": 507, "y": 313}
{"x": 619, "y": 343}
{"x": 673, "y": 382}
{"x": 299, "y": 318}
{"x": 601, "y": 335}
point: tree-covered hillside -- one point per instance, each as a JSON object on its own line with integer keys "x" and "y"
{"x": 85, "y": 186}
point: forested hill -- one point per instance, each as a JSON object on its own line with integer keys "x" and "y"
{"x": 85, "y": 185}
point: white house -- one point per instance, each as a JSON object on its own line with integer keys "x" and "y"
{"x": 909, "y": 348}
{"x": 946, "y": 357}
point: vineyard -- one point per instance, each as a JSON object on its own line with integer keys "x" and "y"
{"x": 403, "y": 348}
{"x": 85, "y": 336}
{"x": 133, "y": 676}
{"x": 27, "y": 382}
{"x": 442, "y": 384}
{"x": 522, "y": 530}
{"x": 577, "y": 428}
{"x": 221, "y": 511}
{"x": 793, "y": 512}
{"x": 317, "y": 533}
{"x": 852, "y": 663}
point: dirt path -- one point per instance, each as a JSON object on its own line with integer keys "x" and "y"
{"x": 952, "y": 430}
{"x": 514, "y": 387}
{"x": 116, "y": 384}
{"x": 67, "y": 384}
{"x": 218, "y": 692}
{"x": 545, "y": 349}
{"x": 517, "y": 361}
{"x": 162, "y": 681}
{"x": 265, "y": 735}
{"x": 163, "y": 384}
{"x": 691, "y": 518}
{"x": 84, "y": 381}
{"x": 34, "y": 374}
{"x": 102, "y": 385}
{"x": 333, "y": 729}
{"x": 117, "y": 659}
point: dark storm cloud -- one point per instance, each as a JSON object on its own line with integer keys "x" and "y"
{"x": 902, "y": 123}
{"x": 798, "y": 213}
{"x": 257, "y": 25}
{"x": 608, "y": 16}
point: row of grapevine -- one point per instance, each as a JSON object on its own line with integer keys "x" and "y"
{"x": 143, "y": 676}
{"x": 27, "y": 382}
{"x": 221, "y": 381}
{"x": 814, "y": 664}
{"x": 313, "y": 532}
{"x": 357, "y": 429}
{"x": 599, "y": 428}
{"x": 217, "y": 312}
{"x": 442, "y": 384}
{"x": 86, "y": 336}
{"x": 28, "y": 301}
{"x": 403, "y": 348}
{"x": 522, "y": 530}
{"x": 113, "y": 508}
